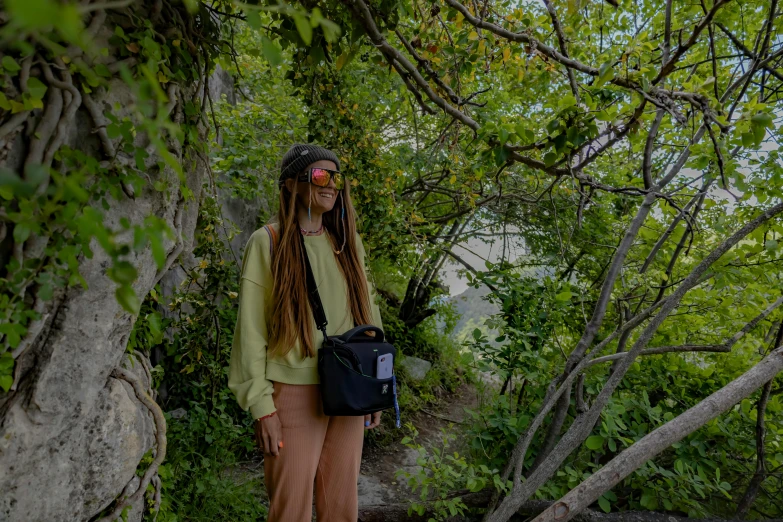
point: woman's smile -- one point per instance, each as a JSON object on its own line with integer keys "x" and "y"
{"x": 325, "y": 198}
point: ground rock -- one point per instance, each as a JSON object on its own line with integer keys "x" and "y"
{"x": 415, "y": 368}
{"x": 179, "y": 413}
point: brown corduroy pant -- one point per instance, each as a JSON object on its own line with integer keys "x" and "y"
{"x": 318, "y": 451}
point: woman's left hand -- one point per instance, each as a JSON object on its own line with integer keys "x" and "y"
{"x": 371, "y": 421}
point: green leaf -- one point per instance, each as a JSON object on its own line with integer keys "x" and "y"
{"x": 594, "y": 442}
{"x": 253, "y": 19}
{"x": 758, "y": 127}
{"x": 6, "y": 362}
{"x": 759, "y": 132}
{"x": 69, "y": 22}
{"x": 33, "y": 14}
{"x": 315, "y": 17}
{"x": 605, "y": 505}
{"x": 45, "y": 292}
{"x": 36, "y": 88}
{"x": 123, "y": 273}
{"x": 158, "y": 252}
{"x": 102, "y": 70}
{"x": 550, "y": 158}
{"x": 10, "y": 65}
{"x": 272, "y": 51}
{"x": 605, "y": 74}
{"x": 331, "y": 30}
{"x": 763, "y": 119}
{"x": 304, "y": 28}
{"x": 139, "y": 156}
{"x": 13, "y": 332}
{"x": 22, "y": 232}
{"x": 679, "y": 466}
{"x": 341, "y": 61}
{"x": 127, "y": 298}
{"x": 5, "y": 382}
{"x": 501, "y": 155}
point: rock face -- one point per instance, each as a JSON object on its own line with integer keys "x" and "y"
{"x": 415, "y": 368}
{"x": 71, "y": 436}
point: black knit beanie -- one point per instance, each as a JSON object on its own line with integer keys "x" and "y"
{"x": 300, "y": 155}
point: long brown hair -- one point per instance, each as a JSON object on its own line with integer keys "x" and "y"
{"x": 290, "y": 317}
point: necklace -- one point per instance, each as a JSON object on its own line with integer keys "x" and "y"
{"x": 313, "y": 232}
{"x": 337, "y": 252}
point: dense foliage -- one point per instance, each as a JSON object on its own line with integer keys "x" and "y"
{"x": 618, "y": 146}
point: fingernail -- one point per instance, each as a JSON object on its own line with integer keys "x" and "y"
{"x": 280, "y": 444}
{"x": 366, "y": 423}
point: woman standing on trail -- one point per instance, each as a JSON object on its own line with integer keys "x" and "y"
{"x": 273, "y": 369}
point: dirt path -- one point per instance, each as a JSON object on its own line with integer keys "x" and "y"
{"x": 378, "y": 485}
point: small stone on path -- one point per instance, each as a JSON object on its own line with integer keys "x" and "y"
{"x": 416, "y": 368}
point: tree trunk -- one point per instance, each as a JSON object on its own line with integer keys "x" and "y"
{"x": 71, "y": 434}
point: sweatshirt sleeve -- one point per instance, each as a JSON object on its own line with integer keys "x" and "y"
{"x": 374, "y": 310}
{"x": 247, "y": 365}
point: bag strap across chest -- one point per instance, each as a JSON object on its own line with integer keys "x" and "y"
{"x": 312, "y": 288}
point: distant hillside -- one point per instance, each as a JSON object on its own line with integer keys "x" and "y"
{"x": 473, "y": 310}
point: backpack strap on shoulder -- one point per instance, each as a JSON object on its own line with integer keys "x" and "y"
{"x": 272, "y": 239}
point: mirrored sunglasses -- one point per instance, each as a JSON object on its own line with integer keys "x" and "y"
{"x": 320, "y": 177}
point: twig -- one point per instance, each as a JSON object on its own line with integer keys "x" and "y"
{"x": 562, "y": 42}
{"x": 432, "y": 414}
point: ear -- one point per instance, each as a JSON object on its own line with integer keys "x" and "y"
{"x": 290, "y": 184}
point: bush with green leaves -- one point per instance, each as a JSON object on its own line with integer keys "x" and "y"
{"x": 440, "y": 473}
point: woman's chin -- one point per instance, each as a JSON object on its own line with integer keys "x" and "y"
{"x": 326, "y": 204}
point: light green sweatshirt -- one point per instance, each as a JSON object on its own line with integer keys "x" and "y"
{"x": 251, "y": 371}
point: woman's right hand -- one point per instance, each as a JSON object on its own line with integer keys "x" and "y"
{"x": 269, "y": 435}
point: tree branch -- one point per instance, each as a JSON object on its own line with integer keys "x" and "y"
{"x": 581, "y": 428}
{"x": 747, "y": 52}
{"x": 562, "y": 42}
{"x": 752, "y": 491}
{"x": 667, "y": 67}
{"x": 652, "y": 444}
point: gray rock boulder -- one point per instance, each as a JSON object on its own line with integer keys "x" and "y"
{"x": 415, "y": 368}
{"x": 71, "y": 435}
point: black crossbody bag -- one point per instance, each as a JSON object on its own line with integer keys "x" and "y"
{"x": 347, "y": 364}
